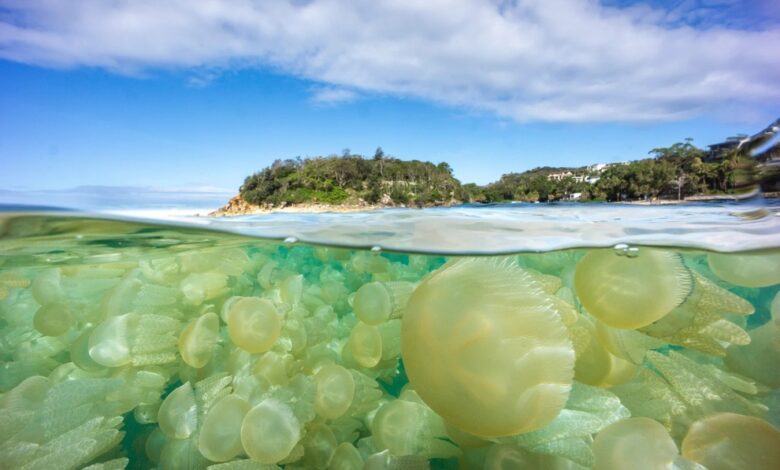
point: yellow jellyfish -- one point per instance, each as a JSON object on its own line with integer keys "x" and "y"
{"x": 178, "y": 415}
{"x": 376, "y": 302}
{"x": 485, "y": 348}
{"x": 270, "y": 431}
{"x": 318, "y": 446}
{"x": 346, "y": 457}
{"x": 219, "y": 439}
{"x": 759, "y": 360}
{"x": 631, "y": 292}
{"x": 595, "y": 364}
{"x": 746, "y": 269}
{"x": 198, "y": 339}
{"x": 697, "y": 323}
{"x": 253, "y": 324}
{"x": 728, "y": 441}
{"x": 335, "y": 390}
{"x": 365, "y": 345}
{"x": 637, "y": 443}
{"x": 53, "y": 319}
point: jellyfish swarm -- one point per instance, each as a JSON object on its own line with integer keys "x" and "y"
{"x": 485, "y": 348}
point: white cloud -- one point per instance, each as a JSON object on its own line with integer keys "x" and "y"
{"x": 328, "y": 95}
{"x": 554, "y": 60}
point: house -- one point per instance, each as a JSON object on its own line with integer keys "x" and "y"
{"x": 597, "y": 167}
{"x": 558, "y": 176}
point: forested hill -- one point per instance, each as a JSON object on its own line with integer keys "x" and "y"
{"x": 352, "y": 179}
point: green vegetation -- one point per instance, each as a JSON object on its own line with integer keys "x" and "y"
{"x": 673, "y": 172}
{"x": 350, "y": 179}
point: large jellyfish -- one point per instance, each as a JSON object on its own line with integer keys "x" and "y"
{"x": 631, "y": 292}
{"x": 485, "y": 348}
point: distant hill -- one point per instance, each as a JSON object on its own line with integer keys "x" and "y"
{"x": 352, "y": 180}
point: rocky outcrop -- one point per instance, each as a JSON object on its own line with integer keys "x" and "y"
{"x": 237, "y": 206}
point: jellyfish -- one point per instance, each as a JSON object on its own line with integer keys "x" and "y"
{"x": 758, "y": 360}
{"x": 409, "y": 428}
{"x": 485, "y": 348}
{"x": 376, "y": 302}
{"x": 697, "y": 323}
{"x": 220, "y": 434}
{"x": 178, "y": 415}
{"x": 53, "y": 319}
{"x": 638, "y": 443}
{"x": 318, "y": 446}
{"x": 631, "y": 292}
{"x": 728, "y": 441}
{"x": 270, "y": 431}
{"x": 346, "y": 457}
{"x": 197, "y": 341}
{"x": 253, "y": 324}
{"x": 138, "y": 339}
{"x": 595, "y": 365}
{"x": 335, "y": 390}
{"x": 365, "y": 345}
{"x": 746, "y": 269}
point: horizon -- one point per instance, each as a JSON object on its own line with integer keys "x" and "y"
{"x": 124, "y": 97}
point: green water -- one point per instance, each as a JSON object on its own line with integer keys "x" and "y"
{"x": 130, "y": 345}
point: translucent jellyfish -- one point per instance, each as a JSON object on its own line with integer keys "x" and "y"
{"x": 291, "y": 289}
{"x": 178, "y": 415}
{"x": 346, "y": 457}
{"x": 596, "y": 365}
{"x": 199, "y": 287}
{"x": 365, "y": 345}
{"x": 197, "y": 340}
{"x": 409, "y": 428}
{"x": 220, "y": 434}
{"x": 729, "y": 441}
{"x": 698, "y": 323}
{"x": 760, "y": 359}
{"x": 637, "y": 443}
{"x": 485, "y": 348}
{"x": 318, "y": 446}
{"x": 270, "y": 431}
{"x": 53, "y": 319}
{"x": 376, "y": 302}
{"x": 253, "y": 324}
{"x": 134, "y": 339}
{"x": 47, "y": 287}
{"x": 335, "y": 390}
{"x": 630, "y": 293}
{"x": 746, "y": 269}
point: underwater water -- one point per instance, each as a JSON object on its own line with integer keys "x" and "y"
{"x": 642, "y": 338}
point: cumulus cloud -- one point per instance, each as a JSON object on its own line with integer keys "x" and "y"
{"x": 549, "y": 60}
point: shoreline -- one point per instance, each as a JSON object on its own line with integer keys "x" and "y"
{"x": 238, "y": 207}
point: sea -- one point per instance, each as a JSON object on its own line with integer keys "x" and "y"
{"x": 560, "y": 336}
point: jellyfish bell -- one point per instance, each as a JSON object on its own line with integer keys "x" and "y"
{"x": 270, "y": 431}
{"x": 746, "y": 269}
{"x": 639, "y": 443}
{"x": 335, "y": 390}
{"x": 631, "y": 292}
{"x": 376, "y": 302}
{"x": 197, "y": 341}
{"x": 484, "y": 347}
{"x": 253, "y": 324}
{"x": 728, "y": 441}
{"x": 219, "y": 439}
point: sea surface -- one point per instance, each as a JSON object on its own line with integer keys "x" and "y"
{"x": 562, "y": 336}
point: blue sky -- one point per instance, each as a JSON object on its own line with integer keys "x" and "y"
{"x": 175, "y": 94}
